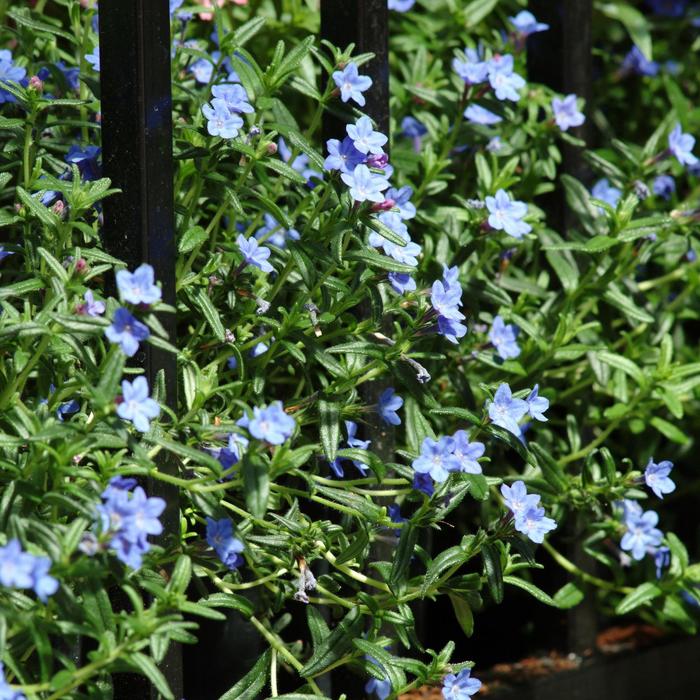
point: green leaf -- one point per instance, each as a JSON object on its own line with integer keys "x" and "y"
{"x": 317, "y": 626}
{"x": 640, "y": 595}
{"x": 46, "y": 216}
{"x": 634, "y": 22}
{"x": 463, "y": 613}
{"x": 256, "y": 483}
{"x": 568, "y": 596}
{"x": 448, "y": 558}
{"x": 23, "y": 18}
{"x": 329, "y": 427}
{"x": 533, "y": 590}
{"x": 477, "y": 10}
{"x": 338, "y": 642}
{"x": 229, "y": 600}
{"x": 491, "y": 555}
{"x": 384, "y": 231}
{"x": 247, "y": 31}
{"x": 402, "y": 554}
{"x": 391, "y": 670}
{"x": 191, "y": 239}
{"x": 622, "y": 363}
{"x": 55, "y": 266}
{"x": 669, "y": 430}
{"x": 250, "y": 686}
{"x": 147, "y": 666}
{"x": 182, "y": 573}
{"x": 202, "y": 301}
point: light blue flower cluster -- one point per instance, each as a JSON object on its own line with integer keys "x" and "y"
{"x": 127, "y": 517}
{"x": 20, "y": 569}
{"x": 506, "y": 411}
{"x": 136, "y": 405}
{"x": 229, "y": 101}
{"x": 269, "y": 423}
{"x": 273, "y": 232}
{"x": 353, "y": 442}
{"x": 529, "y": 516}
{"x": 641, "y": 537}
{"x": 504, "y": 338}
{"x": 227, "y": 547}
{"x": 566, "y": 113}
{"x": 498, "y": 71}
{"x": 507, "y": 215}
{"x": 388, "y": 405}
{"x": 460, "y": 686}
{"x": 446, "y": 300}
{"x": 656, "y": 477}
{"x": 9, "y": 73}
{"x": 137, "y": 288}
{"x": 7, "y": 692}
{"x": 351, "y": 84}
{"x": 439, "y": 458}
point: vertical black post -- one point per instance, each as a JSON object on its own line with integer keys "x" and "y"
{"x": 562, "y": 59}
{"x": 136, "y": 99}
{"x": 364, "y": 23}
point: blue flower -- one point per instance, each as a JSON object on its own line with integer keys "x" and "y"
{"x": 467, "y": 453}
{"x": 480, "y": 115}
{"x": 414, "y": 130}
{"x": 220, "y": 120}
{"x": 389, "y": 403}
{"x": 537, "y": 405}
{"x": 461, "y": 686}
{"x": 138, "y": 287}
{"x": 94, "y": 58}
{"x": 342, "y": 155}
{"x": 20, "y": 569}
{"x": 9, "y": 73}
{"x": 136, "y": 405}
{"x": 365, "y": 138}
{"x": 270, "y": 423}
{"x": 471, "y": 69}
{"x": 642, "y": 534}
{"x": 254, "y": 254}
{"x": 656, "y": 477}
{"x": 273, "y": 232}
{"x": 401, "y": 282}
{"x": 231, "y": 454}
{"x": 66, "y": 409}
{"x": 127, "y": 518}
{"x": 394, "y": 510}
{"x": 400, "y": 6}
{"x": 681, "y": 145}
{"x": 365, "y": 186}
{"x": 606, "y": 192}
{"x": 402, "y": 201}
{"x": 518, "y": 500}
{"x": 374, "y": 685}
{"x": 664, "y": 186}
{"x": 662, "y": 559}
{"x": 91, "y": 307}
{"x": 423, "y": 483}
{"x": 228, "y": 548}
{"x": 202, "y": 70}
{"x": 87, "y": 160}
{"x": 566, "y": 113}
{"x": 526, "y": 24}
{"x": 502, "y": 78}
{"x": 357, "y": 444}
{"x": 6, "y": 690}
{"x": 406, "y": 254}
{"x": 437, "y": 458}
{"x": 534, "y": 524}
{"x": 507, "y": 215}
{"x": 505, "y": 411}
{"x": 352, "y": 84}
{"x": 126, "y": 331}
{"x": 504, "y": 338}
{"x": 4, "y": 253}
{"x": 234, "y": 96}
{"x": 635, "y": 62}
{"x": 259, "y": 349}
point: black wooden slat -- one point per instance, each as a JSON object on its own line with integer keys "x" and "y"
{"x": 135, "y": 87}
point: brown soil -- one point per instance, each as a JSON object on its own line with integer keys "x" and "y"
{"x": 611, "y": 641}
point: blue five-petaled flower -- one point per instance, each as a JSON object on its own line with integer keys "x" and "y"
{"x": 507, "y": 215}
{"x": 460, "y": 686}
{"x": 351, "y": 84}
{"x": 254, "y": 253}
{"x": 136, "y": 405}
{"x": 656, "y": 477}
{"x": 126, "y": 331}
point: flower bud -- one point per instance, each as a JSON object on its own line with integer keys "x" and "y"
{"x": 58, "y": 208}
{"x": 271, "y": 148}
{"x": 36, "y": 84}
{"x": 378, "y": 161}
{"x": 386, "y": 205}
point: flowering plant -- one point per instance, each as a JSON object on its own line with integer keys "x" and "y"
{"x": 378, "y": 339}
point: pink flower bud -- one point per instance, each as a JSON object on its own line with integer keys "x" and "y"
{"x": 35, "y": 83}
{"x": 58, "y": 208}
{"x": 386, "y": 205}
{"x": 378, "y": 161}
{"x": 271, "y": 148}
